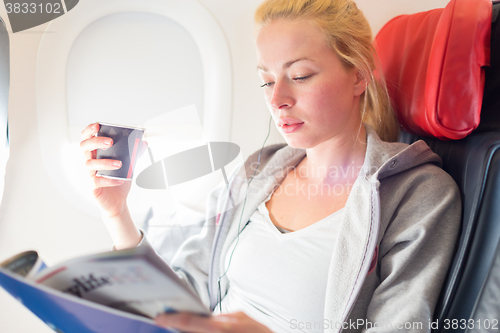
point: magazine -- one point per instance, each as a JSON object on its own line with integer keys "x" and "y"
{"x": 135, "y": 281}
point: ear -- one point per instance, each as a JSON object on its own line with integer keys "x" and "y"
{"x": 360, "y": 85}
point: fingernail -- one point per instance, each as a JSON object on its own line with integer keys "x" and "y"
{"x": 107, "y": 141}
{"x": 117, "y": 163}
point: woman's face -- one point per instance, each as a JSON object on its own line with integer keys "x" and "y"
{"x": 312, "y": 97}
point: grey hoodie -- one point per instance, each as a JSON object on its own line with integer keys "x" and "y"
{"x": 395, "y": 242}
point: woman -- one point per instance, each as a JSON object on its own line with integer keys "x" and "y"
{"x": 340, "y": 230}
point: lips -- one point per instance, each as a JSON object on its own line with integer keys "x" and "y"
{"x": 289, "y": 125}
{"x": 288, "y": 121}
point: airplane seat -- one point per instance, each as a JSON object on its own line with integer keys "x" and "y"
{"x": 436, "y": 68}
{"x": 127, "y": 62}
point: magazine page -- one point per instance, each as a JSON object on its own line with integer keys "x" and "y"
{"x": 65, "y": 313}
{"x": 26, "y": 264}
{"x": 131, "y": 280}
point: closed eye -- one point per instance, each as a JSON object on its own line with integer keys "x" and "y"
{"x": 267, "y": 84}
{"x": 301, "y": 78}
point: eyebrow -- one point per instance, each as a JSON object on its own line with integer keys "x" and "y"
{"x": 285, "y": 66}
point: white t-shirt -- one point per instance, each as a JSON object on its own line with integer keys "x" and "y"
{"x": 279, "y": 279}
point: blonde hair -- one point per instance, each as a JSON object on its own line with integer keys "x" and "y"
{"x": 348, "y": 34}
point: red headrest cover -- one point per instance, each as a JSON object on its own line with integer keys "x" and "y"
{"x": 432, "y": 64}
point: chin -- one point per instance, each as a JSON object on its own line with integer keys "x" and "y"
{"x": 298, "y": 144}
{"x": 304, "y": 142}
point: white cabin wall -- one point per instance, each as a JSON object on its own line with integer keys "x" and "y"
{"x": 34, "y": 215}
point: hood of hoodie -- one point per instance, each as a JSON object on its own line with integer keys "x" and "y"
{"x": 382, "y": 159}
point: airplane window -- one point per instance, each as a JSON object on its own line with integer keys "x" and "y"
{"x": 128, "y": 68}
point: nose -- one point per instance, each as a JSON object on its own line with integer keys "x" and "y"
{"x": 281, "y": 95}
